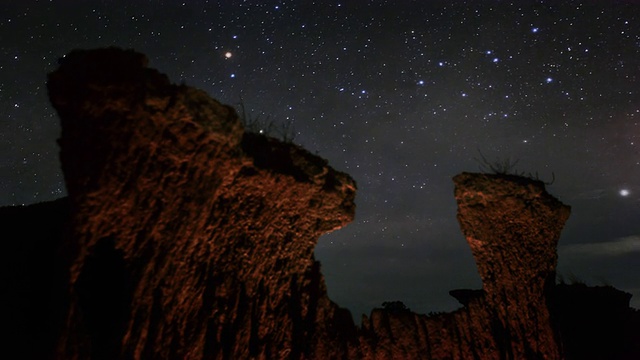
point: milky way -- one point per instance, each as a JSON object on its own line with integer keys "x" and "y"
{"x": 402, "y": 95}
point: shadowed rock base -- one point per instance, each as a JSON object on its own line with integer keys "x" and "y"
{"x": 186, "y": 238}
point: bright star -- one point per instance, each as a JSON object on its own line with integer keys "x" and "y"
{"x": 228, "y": 54}
{"x": 624, "y": 192}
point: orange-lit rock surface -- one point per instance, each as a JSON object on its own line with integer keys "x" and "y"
{"x": 189, "y": 238}
{"x": 512, "y": 226}
{"x": 183, "y": 237}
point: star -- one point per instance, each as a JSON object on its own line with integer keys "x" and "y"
{"x": 531, "y": 97}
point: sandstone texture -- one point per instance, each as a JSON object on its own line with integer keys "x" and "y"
{"x": 184, "y": 237}
{"x": 512, "y": 226}
{"x": 188, "y": 238}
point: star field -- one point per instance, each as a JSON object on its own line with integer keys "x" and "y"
{"x": 399, "y": 94}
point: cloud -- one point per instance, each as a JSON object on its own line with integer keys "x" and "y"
{"x": 608, "y": 192}
{"x": 620, "y": 246}
{"x": 591, "y": 194}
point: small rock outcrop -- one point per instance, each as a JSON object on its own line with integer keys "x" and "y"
{"x": 184, "y": 237}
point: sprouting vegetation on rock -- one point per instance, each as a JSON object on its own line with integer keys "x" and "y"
{"x": 506, "y": 166}
{"x": 267, "y": 126}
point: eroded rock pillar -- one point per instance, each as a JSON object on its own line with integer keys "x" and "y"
{"x": 512, "y": 226}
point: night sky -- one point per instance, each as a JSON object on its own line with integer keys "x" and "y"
{"x": 402, "y": 95}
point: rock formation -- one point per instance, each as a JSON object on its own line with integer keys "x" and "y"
{"x": 188, "y": 238}
{"x": 185, "y": 237}
{"x": 512, "y": 226}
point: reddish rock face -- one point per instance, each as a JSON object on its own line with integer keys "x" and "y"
{"x": 512, "y": 226}
{"x": 189, "y": 238}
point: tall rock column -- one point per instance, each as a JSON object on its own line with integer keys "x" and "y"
{"x": 512, "y": 226}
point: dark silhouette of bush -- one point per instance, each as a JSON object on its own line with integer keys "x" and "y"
{"x": 395, "y": 306}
